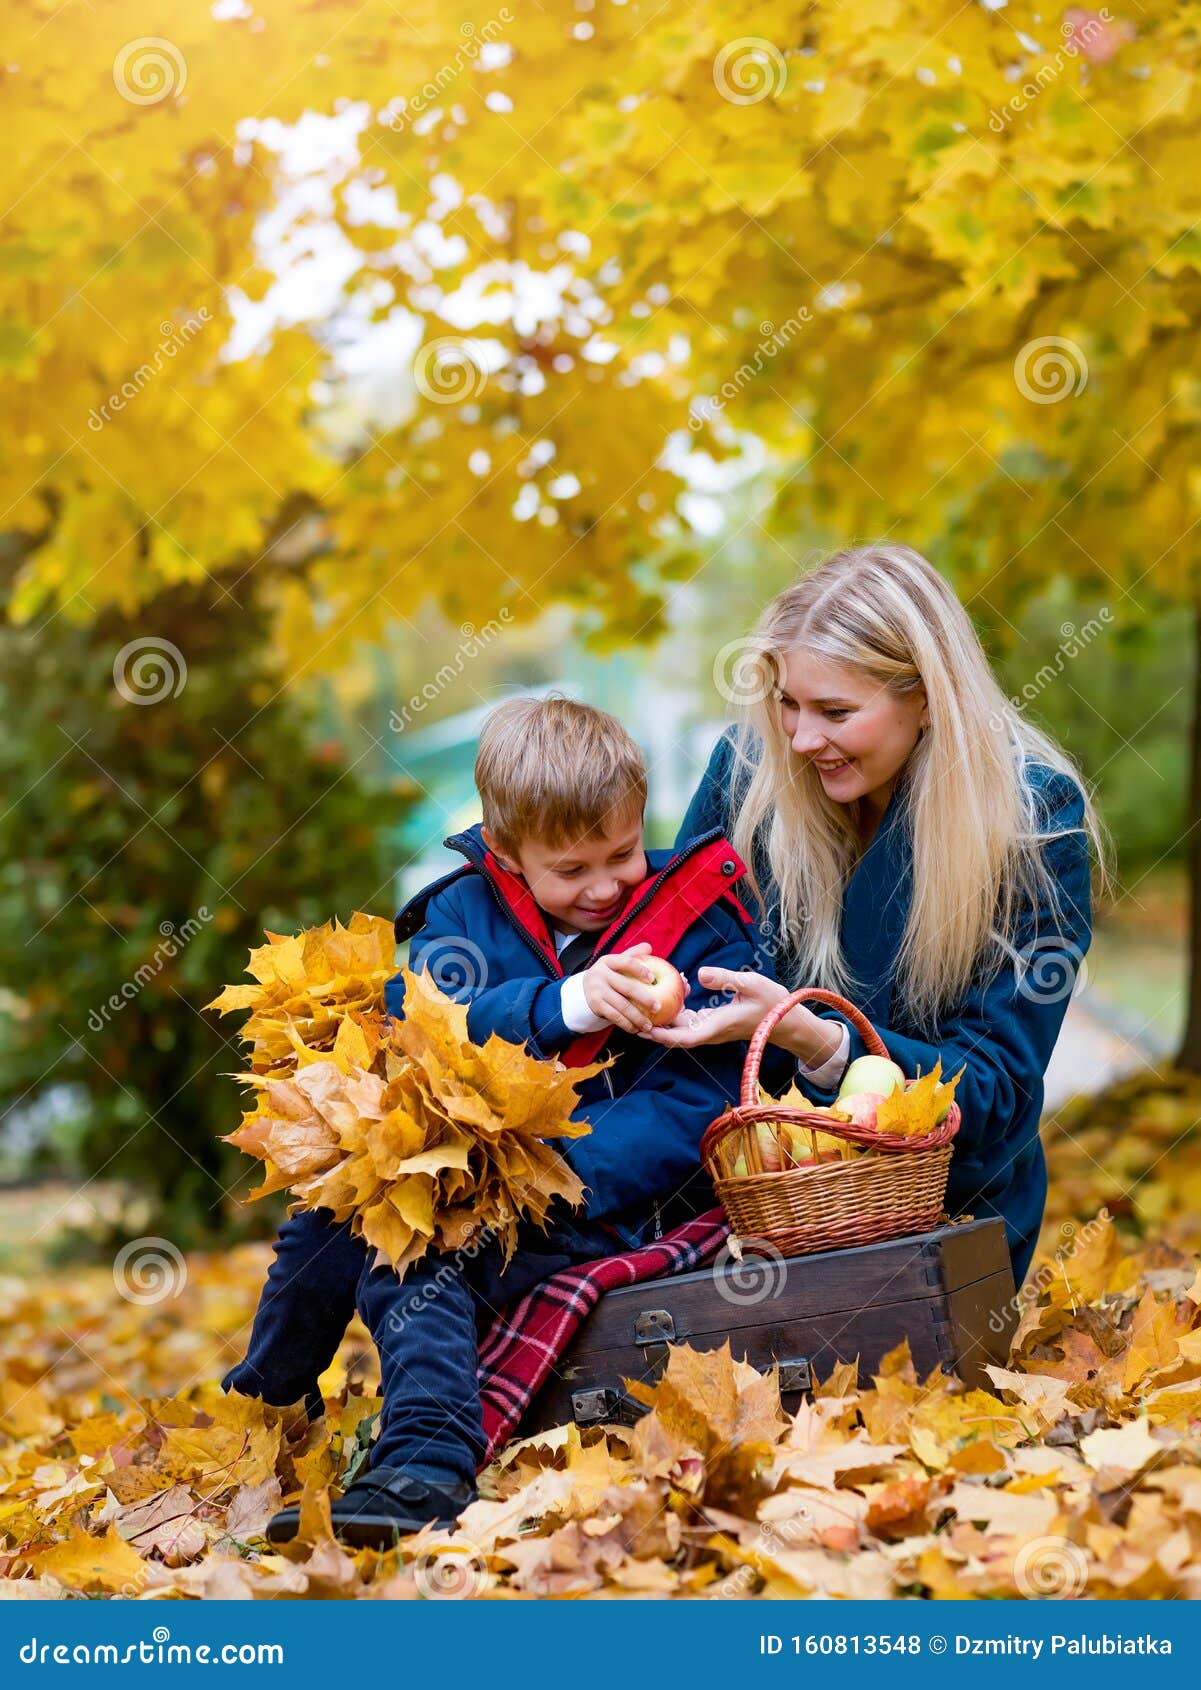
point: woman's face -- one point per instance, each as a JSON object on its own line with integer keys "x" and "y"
{"x": 855, "y": 732}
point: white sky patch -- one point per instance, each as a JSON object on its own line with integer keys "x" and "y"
{"x": 372, "y": 340}
{"x": 376, "y": 370}
{"x": 598, "y": 350}
{"x": 373, "y": 204}
{"x": 703, "y": 513}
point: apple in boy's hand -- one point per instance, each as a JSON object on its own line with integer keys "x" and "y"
{"x": 669, "y": 985}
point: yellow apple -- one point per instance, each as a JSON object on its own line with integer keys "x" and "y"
{"x": 871, "y": 1074}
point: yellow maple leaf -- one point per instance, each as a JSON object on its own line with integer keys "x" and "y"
{"x": 1155, "y": 1339}
{"x": 914, "y": 1110}
{"x": 85, "y": 1561}
{"x": 239, "y": 1446}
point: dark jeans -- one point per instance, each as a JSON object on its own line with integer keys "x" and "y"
{"x": 427, "y": 1329}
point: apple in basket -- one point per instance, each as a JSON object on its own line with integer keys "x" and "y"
{"x": 874, "y": 1074}
{"x": 865, "y": 1085}
{"x": 810, "y": 1148}
{"x": 769, "y": 1152}
{"x": 860, "y": 1107}
{"x": 669, "y": 984}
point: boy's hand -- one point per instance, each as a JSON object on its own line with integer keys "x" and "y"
{"x": 618, "y": 988}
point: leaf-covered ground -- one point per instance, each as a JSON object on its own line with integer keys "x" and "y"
{"x": 124, "y": 1470}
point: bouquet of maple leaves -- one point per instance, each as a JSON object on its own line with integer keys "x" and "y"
{"x": 421, "y": 1139}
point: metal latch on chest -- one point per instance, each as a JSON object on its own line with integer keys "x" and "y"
{"x": 654, "y": 1330}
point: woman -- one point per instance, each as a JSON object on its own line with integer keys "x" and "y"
{"x": 916, "y": 845}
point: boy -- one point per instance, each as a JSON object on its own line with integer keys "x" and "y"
{"x": 541, "y": 932}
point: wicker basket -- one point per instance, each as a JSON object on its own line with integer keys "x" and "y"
{"x": 797, "y": 1210}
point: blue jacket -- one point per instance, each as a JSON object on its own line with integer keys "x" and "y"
{"x": 1004, "y": 1030}
{"x": 485, "y": 941}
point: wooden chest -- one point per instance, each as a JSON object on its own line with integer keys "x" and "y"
{"x": 950, "y": 1292}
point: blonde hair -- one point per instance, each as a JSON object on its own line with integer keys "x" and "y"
{"x": 885, "y": 612}
{"x": 555, "y": 770}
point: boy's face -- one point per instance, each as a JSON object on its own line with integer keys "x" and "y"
{"x": 585, "y": 884}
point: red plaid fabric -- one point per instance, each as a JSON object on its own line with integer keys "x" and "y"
{"x": 526, "y": 1341}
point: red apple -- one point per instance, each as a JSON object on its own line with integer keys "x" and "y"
{"x": 669, "y": 986}
{"x": 769, "y": 1152}
{"x": 861, "y": 1107}
{"x": 799, "y": 1147}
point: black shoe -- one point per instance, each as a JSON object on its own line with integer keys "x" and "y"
{"x": 382, "y": 1505}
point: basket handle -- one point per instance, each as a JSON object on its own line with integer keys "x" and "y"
{"x": 807, "y": 994}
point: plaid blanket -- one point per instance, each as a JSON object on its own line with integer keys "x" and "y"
{"x": 525, "y": 1342}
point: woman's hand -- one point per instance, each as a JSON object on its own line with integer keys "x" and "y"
{"x": 807, "y": 1036}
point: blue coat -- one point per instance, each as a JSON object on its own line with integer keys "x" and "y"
{"x": 484, "y": 939}
{"x": 1004, "y": 1031}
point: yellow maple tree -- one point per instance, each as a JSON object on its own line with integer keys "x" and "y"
{"x": 942, "y": 261}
